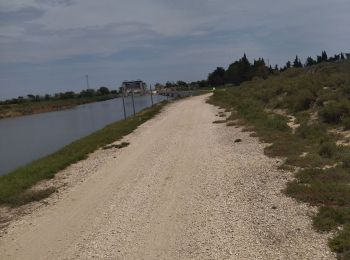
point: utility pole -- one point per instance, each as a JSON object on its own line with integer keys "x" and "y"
{"x": 150, "y": 86}
{"x": 87, "y": 82}
{"x": 133, "y": 103}
{"x": 124, "y": 105}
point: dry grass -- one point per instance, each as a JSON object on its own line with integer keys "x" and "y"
{"x": 316, "y": 103}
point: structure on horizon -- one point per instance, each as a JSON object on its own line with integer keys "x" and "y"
{"x": 137, "y": 87}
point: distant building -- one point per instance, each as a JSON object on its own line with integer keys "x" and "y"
{"x": 137, "y": 87}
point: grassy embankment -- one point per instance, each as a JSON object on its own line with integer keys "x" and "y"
{"x": 14, "y": 186}
{"x": 31, "y": 107}
{"x": 318, "y": 148}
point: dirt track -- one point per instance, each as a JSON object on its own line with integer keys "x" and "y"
{"x": 183, "y": 189}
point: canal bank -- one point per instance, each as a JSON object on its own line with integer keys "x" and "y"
{"x": 27, "y": 138}
{"x": 14, "y": 186}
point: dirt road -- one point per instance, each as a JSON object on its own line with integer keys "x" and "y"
{"x": 183, "y": 189}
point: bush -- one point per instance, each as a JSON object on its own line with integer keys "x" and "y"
{"x": 334, "y": 112}
{"x": 312, "y": 132}
{"x": 344, "y": 154}
{"x": 329, "y": 218}
{"x": 346, "y": 123}
{"x": 327, "y": 149}
{"x": 341, "y": 243}
{"x": 303, "y": 100}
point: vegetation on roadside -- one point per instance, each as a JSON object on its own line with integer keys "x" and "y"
{"x": 317, "y": 98}
{"x": 15, "y": 185}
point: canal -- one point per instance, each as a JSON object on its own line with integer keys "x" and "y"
{"x": 27, "y": 138}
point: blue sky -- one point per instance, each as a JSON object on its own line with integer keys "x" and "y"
{"x": 48, "y": 46}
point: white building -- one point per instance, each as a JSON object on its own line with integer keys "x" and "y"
{"x": 138, "y": 87}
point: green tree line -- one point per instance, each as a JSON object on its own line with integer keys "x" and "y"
{"x": 86, "y": 93}
{"x": 243, "y": 70}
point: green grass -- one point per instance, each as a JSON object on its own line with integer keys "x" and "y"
{"x": 324, "y": 91}
{"x": 14, "y": 186}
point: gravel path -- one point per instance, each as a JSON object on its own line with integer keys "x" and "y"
{"x": 183, "y": 189}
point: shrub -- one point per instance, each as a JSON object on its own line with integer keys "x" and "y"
{"x": 312, "y": 132}
{"x": 327, "y": 149}
{"x": 329, "y": 218}
{"x": 346, "y": 122}
{"x": 303, "y": 100}
{"x": 341, "y": 243}
{"x": 334, "y": 112}
{"x": 345, "y": 158}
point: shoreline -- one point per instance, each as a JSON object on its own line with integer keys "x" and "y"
{"x": 15, "y": 185}
{"x": 32, "y": 108}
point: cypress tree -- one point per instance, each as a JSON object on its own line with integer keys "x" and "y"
{"x": 324, "y": 56}
{"x": 297, "y": 63}
{"x": 310, "y": 61}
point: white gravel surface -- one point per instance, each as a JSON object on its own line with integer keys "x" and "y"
{"x": 182, "y": 189}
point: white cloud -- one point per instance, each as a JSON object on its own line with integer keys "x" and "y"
{"x": 203, "y": 33}
{"x": 106, "y": 26}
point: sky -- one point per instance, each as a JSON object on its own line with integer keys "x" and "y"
{"x": 48, "y": 46}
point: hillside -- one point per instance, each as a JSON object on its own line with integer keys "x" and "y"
{"x": 305, "y": 114}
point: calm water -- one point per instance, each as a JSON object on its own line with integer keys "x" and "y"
{"x": 27, "y": 138}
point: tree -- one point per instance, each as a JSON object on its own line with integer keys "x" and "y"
{"x": 182, "y": 85}
{"x": 242, "y": 70}
{"x": 245, "y": 68}
{"x": 297, "y": 63}
{"x": 288, "y": 64}
{"x": 216, "y": 78}
{"x": 203, "y": 84}
{"x": 310, "y": 61}
{"x": 67, "y": 95}
{"x": 104, "y": 90}
{"x": 234, "y": 73}
{"x": 169, "y": 84}
{"x": 88, "y": 93}
{"x": 323, "y": 57}
{"x": 259, "y": 69}
{"x": 20, "y": 99}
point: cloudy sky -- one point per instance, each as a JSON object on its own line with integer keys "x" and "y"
{"x": 47, "y": 46}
